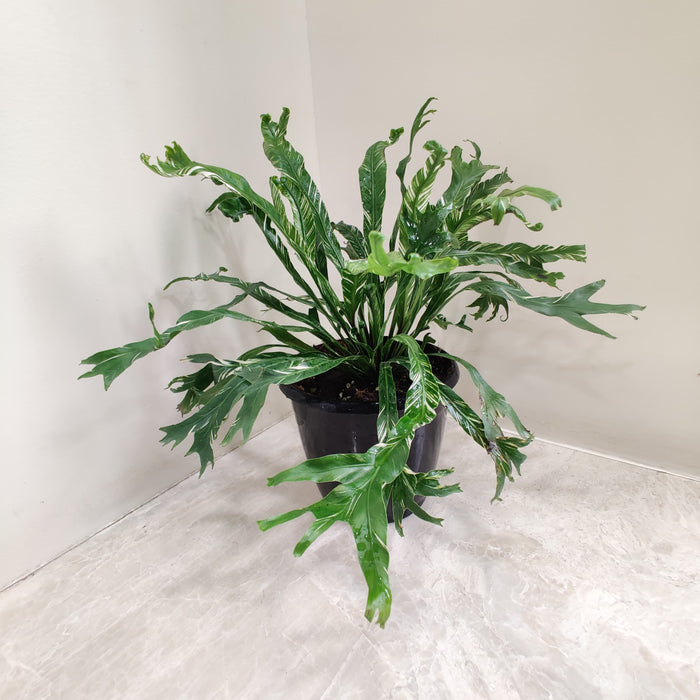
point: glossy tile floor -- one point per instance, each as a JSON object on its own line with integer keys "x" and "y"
{"x": 583, "y": 583}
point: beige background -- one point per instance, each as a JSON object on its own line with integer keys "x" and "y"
{"x": 92, "y": 235}
{"x": 597, "y": 101}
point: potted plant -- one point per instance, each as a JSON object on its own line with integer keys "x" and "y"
{"x": 359, "y": 315}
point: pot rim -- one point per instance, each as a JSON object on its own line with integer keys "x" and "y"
{"x": 291, "y": 391}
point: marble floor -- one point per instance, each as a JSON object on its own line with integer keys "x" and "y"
{"x": 583, "y": 583}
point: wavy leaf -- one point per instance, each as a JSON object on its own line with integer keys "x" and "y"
{"x": 408, "y": 485}
{"x": 421, "y": 120}
{"x": 109, "y": 364}
{"x": 547, "y": 196}
{"x": 311, "y": 215}
{"x": 356, "y": 246}
{"x": 464, "y": 177}
{"x": 247, "y": 380}
{"x": 493, "y": 404}
{"x": 520, "y": 259}
{"x": 253, "y": 401}
{"x": 178, "y": 164}
{"x": 571, "y": 307}
{"x": 416, "y": 200}
{"x": 504, "y": 451}
{"x": 372, "y": 176}
{"x": 388, "y": 409}
{"x": 360, "y": 499}
{"x": 386, "y": 264}
{"x": 262, "y": 292}
{"x": 268, "y": 216}
{"x": 475, "y": 209}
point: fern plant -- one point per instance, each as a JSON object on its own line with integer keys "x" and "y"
{"x": 365, "y": 299}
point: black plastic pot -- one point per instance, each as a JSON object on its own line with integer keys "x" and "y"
{"x": 336, "y": 427}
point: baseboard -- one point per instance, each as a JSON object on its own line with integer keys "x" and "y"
{"x": 629, "y": 462}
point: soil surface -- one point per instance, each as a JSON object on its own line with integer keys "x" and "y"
{"x": 338, "y": 385}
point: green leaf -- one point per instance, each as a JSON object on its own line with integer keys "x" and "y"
{"x": 231, "y": 205}
{"x": 354, "y": 293}
{"x": 430, "y": 235}
{"x": 247, "y": 380}
{"x": 262, "y": 292}
{"x": 290, "y": 369}
{"x": 419, "y": 122}
{"x": 571, "y": 307}
{"x": 504, "y": 451}
{"x": 388, "y": 410}
{"x": 493, "y": 404}
{"x": 437, "y": 293}
{"x": 194, "y": 385}
{"x": 464, "y": 176}
{"x": 372, "y": 174}
{"x": 486, "y": 430}
{"x": 501, "y": 204}
{"x": 111, "y": 363}
{"x": 274, "y": 240}
{"x": 428, "y": 483}
{"x": 203, "y": 317}
{"x": 518, "y": 214}
{"x": 253, "y": 401}
{"x": 525, "y": 190}
{"x": 350, "y": 468}
{"x": 356, "y": 247}
{"x": 465, "y": 416}
{"x": 178, "y": 164}
{"x": 476, "y": 207}
{"x": 423, "y": 395}
{"x": 480, "y": 253}
{"x": 386, "y": 264}
{"x": 520, "y": 259}
{"x": 359, "y": 502}
{"x": 204, "y": 424}
{"x": 312, "y": 217}
{"x": 409, "y": 484}
{"x": 444, "y": 323}
{"x": 417, "y": 195}
{"x": 360, "y": 498}
{"x": 308, "y": 252}
{"x": 268, "y": 215}
{"x": 506, "y": 454}
{"x": 416, "y": 202}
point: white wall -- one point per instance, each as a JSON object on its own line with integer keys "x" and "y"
{"x": 597, "y": 101}
{"x": 89, "y": 234}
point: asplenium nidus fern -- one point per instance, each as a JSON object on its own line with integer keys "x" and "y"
{"x": 365, "y": 299}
